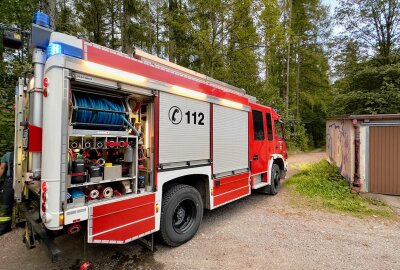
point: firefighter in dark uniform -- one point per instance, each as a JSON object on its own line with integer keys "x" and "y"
{"x": 6, "y": 192}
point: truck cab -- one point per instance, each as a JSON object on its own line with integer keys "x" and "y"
{"x": 267, "y": 147}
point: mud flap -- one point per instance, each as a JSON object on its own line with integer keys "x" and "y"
{"x": 34, "y": 231}
{"x": 121, "y": 220}
{"x": 147, "y": 242}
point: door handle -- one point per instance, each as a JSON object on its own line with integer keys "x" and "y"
{"x": 255, "y": 157}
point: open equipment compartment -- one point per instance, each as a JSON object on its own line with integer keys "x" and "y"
{"x": 110, "y": 157}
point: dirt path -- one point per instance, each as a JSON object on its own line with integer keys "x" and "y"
{"x": 295, "y": 161}
{"x": 257, "y": 232}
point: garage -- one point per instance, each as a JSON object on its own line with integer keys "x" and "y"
{"x": 366, "y": 150}
{"x": 384, "y": 159}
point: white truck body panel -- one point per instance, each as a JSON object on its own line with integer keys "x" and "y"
{"x": 230, "y": 139}
{"x": 181, "y": 141}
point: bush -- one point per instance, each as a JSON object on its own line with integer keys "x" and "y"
{"x": 297, "y": 139}
{"x": 322, "y": 185}
{"x": 6, "y": 129}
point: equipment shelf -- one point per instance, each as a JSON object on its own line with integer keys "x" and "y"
{"x": 116, "y": 199}
{"x": 102, "y": 182}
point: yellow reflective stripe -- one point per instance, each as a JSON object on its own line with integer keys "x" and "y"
{"x": 4, "y": 219}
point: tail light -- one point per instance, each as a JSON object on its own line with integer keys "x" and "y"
{"x": 44, "y": 196}
{"x": 44, "y": 187}
{"x": 44, "y": 207}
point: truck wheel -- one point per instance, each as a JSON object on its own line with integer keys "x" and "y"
{"x": 275, "y": 180}
{"x": 181, "y": 214}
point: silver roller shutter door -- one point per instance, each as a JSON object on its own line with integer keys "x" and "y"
{"x": 180, "y": 141}
{"x": 230, "y": 139}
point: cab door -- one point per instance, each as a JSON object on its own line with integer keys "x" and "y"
{"x": 258, "y": 143}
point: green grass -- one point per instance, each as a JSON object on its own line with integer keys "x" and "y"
{"x": 322, "y": 186}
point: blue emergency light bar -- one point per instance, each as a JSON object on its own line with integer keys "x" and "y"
{"x": 41, "y": 18}
{"x": 55, "y": 48}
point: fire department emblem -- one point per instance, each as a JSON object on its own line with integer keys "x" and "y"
{"x": 175, "y": 115}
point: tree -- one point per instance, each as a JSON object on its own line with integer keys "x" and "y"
{"x": 368, "y": 65}
{"x": 92, "y": 15}
{"x": 240, "y": 54}
{"x": 274, "y": 49}
{"x": 112, "y": 10}
{"x": 273, "y": 33}
{"x": 65, "y": 22}
{"x": 14, "y": 14}
{"x": 180, "y": 40}
{"x": 157, "y": 10}
{"x": 208, "y": 18}
{"x": 311, "y": 89}
{"x": 373, "y": 23}
{"x": 372, "y": 89}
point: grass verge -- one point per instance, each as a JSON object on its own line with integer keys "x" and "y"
{"x": 322, "y": 186}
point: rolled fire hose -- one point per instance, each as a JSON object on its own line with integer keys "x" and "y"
{"x": 108, "y": 192}
{"x": 94, "y": 194}
{"x": 99, "y": 144}
{"x": 101, "y": 161}
{"x": 73, "y": 145}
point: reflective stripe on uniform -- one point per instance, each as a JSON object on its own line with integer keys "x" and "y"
{"x": 5, "y": 219}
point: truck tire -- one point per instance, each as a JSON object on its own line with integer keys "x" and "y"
{"x": 275, "y": 180}
{"x": 181, "y": 214}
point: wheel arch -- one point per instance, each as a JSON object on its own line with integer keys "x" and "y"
{"x": 281, "y": 162}
{"x": 282, "y": 166}
{"x": 201, "y": 182}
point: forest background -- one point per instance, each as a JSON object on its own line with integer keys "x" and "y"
{"x": 302, "y": 57}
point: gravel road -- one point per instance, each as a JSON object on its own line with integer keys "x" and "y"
{"x": 257, "y": 232}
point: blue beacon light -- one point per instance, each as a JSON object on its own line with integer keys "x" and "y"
{"x": 41, "y": 18}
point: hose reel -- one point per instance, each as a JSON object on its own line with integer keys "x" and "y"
{"x": 97, "y": 112}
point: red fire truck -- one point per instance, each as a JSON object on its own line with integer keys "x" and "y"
{"x": 125, "y": 146}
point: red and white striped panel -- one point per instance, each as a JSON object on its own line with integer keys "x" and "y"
{"x": 121, "y": 221}
{"x": 113, "y": 59}
{"x": 231, "y": 188}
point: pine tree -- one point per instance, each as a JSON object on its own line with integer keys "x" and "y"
{"x": 273, "y": 33}
{"x": 207, "y": 18}
{"x": 92, "y": 16}
{"x": 157, "y": 10}
{"x": 65, "y": 21}
{"x": 179, "y": 31}
{"x": 311, "y": 91}
{"x": 242, "y": 69}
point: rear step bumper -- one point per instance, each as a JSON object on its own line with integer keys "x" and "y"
{"x": 41, "y": 234}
